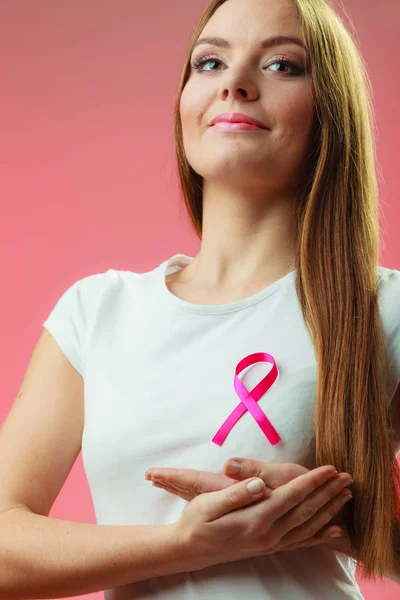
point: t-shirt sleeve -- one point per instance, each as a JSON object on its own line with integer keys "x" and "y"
{"x": 69, "y": 320}
{"x": 389, "y": 304}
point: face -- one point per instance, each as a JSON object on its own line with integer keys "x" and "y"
{"x": 268, "y": 84}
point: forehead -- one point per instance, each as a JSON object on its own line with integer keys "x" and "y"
{"x": 244, "y": 20}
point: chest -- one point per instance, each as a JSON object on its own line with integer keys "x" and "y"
{"x": 157, "y": 391}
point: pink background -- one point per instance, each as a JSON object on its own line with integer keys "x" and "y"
{"x": 88, "y": 173}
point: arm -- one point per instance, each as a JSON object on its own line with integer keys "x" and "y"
{"x": 43, "y": 557}
{"x": 191, "y": 482}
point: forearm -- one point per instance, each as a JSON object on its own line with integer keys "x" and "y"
{"x": 43, "y": 557}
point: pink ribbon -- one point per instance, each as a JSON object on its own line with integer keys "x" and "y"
{"x": 249, "y": 399}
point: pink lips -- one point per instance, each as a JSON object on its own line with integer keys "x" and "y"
{"x": 238, "y": 119}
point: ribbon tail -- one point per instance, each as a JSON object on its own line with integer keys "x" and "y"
{"x": 262, "y": 420}
{"x": 230, "y": 422}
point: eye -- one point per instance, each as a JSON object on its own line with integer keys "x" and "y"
{"x": 197, "y": 64}
{"x": 296, "y": 70}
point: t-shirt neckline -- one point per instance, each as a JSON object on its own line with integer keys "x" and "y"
{"x": 178, "y": 261}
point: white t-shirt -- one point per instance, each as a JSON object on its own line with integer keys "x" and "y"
{"x": 159, "y": 374}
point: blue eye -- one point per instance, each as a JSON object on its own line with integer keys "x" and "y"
{"x": 198, "y": 64}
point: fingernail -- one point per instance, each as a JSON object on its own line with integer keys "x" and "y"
{"x": 256, "y": 486}
{"x": 336, "y": 534}
{"x": 148, "y": 474}
{"x": 233, "y": 467}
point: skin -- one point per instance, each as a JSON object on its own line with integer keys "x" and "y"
{"x": 189, "y": 483}
{"x": 248, "y": 238}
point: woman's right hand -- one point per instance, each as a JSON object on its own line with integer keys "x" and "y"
{"x": 233, "y": 524}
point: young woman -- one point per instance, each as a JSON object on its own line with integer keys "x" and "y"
{"x": 279, "y": 342}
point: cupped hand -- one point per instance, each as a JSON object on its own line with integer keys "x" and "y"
{"x": 189, "y": 483}
{"x": 233, "y": 523}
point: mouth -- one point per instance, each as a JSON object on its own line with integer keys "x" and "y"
{"x": 226, "y": 126}
{"x": 233, "y": 119}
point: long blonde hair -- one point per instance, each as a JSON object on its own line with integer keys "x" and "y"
{"x": 337, "y": 260}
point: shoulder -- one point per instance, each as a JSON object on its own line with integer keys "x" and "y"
{"x": 104, "y": 281}
{"x": 389, "y": 307}
{"x": 113, "y": 290}
{"x": 78, "y": 298}
{"x": 100, "y": 284}
{"x": 389, "y": 295}
{"x": 388, "y": 278}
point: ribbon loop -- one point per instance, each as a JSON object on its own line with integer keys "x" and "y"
{"x": 248, "y": 400}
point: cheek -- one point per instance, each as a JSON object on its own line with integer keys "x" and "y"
{"x": 193, "y": 108}
{"x": 183, "y": 106}
{"x": 189, "y": 111}
{"x": 296, "y": 113}
{"x": 189, "y": 104}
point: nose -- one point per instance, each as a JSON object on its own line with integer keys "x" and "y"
{"x": 237, "y": 84}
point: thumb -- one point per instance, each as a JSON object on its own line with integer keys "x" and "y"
{"x": 273, "y": 474}
{"x": 235, "y": 496}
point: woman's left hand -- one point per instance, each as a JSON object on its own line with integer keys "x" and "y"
{"x": 189, "y": 483}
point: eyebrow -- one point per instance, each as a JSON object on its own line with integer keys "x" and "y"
{"x": 268, "y": 43}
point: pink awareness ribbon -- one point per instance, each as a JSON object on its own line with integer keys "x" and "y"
{"x": 249, "y": 399}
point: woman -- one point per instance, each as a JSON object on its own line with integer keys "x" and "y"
{"x": 302, "y": 195}
{"x": 287, "y": 275}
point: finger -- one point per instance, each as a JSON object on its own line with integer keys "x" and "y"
{"x": 239, "y": 467}
{"x": 191, "y": 493}
{"x": 243, "y": 468}
{"x": 290, "y": 495}
{"x": 317, "y": 509}
{"x": 175, "y": 486}
{"x": 317, "y": 540}
{"x": 204, "y": 482}
{"x": 273, "y": 474}
{"x": 310, "y": 527}
{"x": 237, "y": 495}
{"x": 198, "y": 482}
{"x": 171, "y": 490}
{"x": 171, "y": 474}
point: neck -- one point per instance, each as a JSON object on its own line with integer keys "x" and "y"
{"x": 244, "y": 243}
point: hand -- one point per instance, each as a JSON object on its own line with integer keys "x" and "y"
{"x": 189, "y": 483}
{"x": 232, "y": 524}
